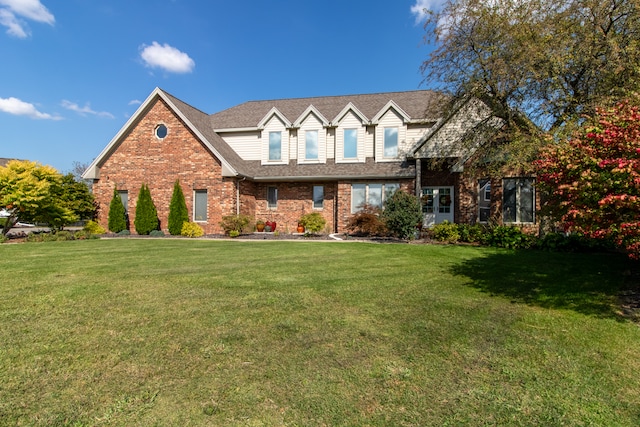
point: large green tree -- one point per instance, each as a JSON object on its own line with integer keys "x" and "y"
{"x": 30, "y": 191}
{"x": 542, "y": 65}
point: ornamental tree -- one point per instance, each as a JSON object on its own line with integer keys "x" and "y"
{"x": 591, "y": 182}
{"x": 146, "y": 213}
{"x": 30, "y": 191}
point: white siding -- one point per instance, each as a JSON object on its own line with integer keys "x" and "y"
{"x": 275, "y": 125}
{"x": 390, "y": 119}
{"x": 415, "y": 133}
{"x": 351, "y": 121}
{"x": 246, "y": 144}
{"x": 312, "y": 123}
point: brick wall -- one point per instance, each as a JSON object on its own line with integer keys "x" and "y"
{"x": 143, "y": 158}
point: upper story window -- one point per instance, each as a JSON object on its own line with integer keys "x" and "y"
{"x": 311, "y": 145}
{"x": 518, "y": 201}
{"x": 390, "y": 142}
{"x": 161, "y": 131}
{"x": 275, "y": 146}
{"x": 350, "y": 149}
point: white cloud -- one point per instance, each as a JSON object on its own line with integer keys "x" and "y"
{"x": 166, "y": 57}
{"x": 11, "y": 12}
{"x": 418, "y": 9}
{"x": 135, "y": 102}
{"x": 83, "y": 111}
{"x": 20, "y": 108}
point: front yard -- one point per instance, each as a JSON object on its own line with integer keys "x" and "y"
{"x": 171, "y": 332}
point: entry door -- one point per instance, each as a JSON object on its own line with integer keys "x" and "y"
{"x": 437, "y": 205}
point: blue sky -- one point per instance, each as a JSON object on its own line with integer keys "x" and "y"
{"x": 74, "y": 71}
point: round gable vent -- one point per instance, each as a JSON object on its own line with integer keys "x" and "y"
{"x": 161, "y": 131}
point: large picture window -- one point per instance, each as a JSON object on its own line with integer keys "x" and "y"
{"x": 200, "y": 205}
{"x": 275, "y": 146}
{"x": 390, "y": 142}
{"x": 518, "y": 200}
{"x": 373, "y": 194}
{"x": 350, "y": 149}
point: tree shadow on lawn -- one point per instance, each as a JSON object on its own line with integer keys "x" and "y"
{"x": 586, "y": 283}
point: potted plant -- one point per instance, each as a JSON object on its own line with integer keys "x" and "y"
{"x": 271, "y": 224}
{"x": 260, "y": 225}
{"x": 300, "y": 228}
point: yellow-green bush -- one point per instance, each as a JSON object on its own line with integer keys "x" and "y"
{"x": 93, "y": 227}
{"x": 191, "y": 229}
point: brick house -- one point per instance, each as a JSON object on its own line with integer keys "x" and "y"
{"x": 277, "y": 160}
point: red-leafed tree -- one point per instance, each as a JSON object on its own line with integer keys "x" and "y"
{"x": 592, "y": 181}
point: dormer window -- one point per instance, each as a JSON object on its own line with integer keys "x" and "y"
{"x": 161, "y": 131}
{"x": 275, "y": 146}
{"x": 390, "y": 142}
{"x": 350, "y": 148}
{"x": 311, "y": 145}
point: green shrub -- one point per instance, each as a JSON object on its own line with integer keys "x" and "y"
{"x": 237, "y": 223}
{"x": 178, "y": 213}
{"x": 234, "y": 233}
{"x": 573, "y": 242}
{"x": 191, "y": 229}
{"x": 445, "y": 232}
{"x": 124, "y": 233}
{"x": 472, "y": 233}
{"x": 117, "y": 214}
{"x": 93, "y": 227}
{"x": 510, "y": 237}
{"x": 312, "y": 222}
{"x": 146, "y": 213}
{"x": 157, "y": 233}
{"x": 402, "y": 213}
{"x": 367, "y": 222}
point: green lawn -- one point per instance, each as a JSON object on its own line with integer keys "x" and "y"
{"x": 183, "y": 332}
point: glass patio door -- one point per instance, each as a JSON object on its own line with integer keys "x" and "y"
{"x": 437, "y": 205}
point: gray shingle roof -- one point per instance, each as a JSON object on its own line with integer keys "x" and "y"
{"x": 420, "y": 104}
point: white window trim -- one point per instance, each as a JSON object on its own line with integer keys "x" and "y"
{"x": 206, "y": 192}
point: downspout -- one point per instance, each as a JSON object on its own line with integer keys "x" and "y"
{"x": 238, "y": 194}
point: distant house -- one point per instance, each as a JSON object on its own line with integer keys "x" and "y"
{"x": 283, "y": 158}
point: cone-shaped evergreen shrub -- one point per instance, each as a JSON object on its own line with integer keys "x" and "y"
{"x": 146, "y": 214}
{"x": 117, "y": 214}
{"x": 178, "y": 213}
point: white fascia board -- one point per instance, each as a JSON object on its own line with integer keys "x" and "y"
{"x": 390, "y": 105}
{"x": 93, "y": 171}
{"x": 274, "y": 112}
{"x": 350, "y": 107}
{"x": 311, "y": 110}
{"x": 231, "y": 130}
